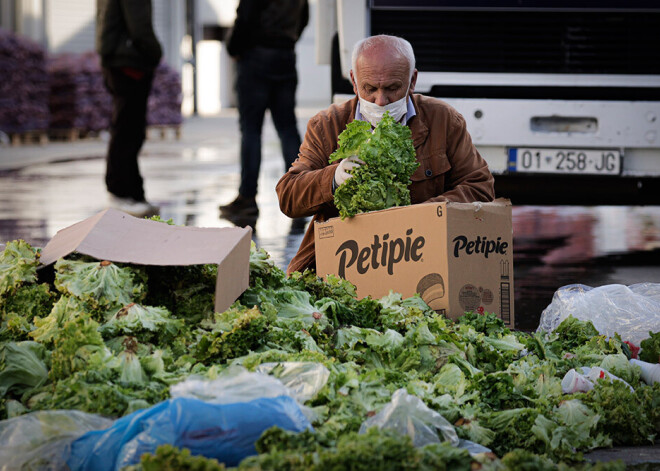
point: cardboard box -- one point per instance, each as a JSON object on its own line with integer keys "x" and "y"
{"x": 115, "y": 236}
{"x": 457, "y": 256}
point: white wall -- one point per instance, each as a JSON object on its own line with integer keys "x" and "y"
{"x": 70, "y": 25}
{"x": 313, "y": 79}
{"x": 213, "y": 61}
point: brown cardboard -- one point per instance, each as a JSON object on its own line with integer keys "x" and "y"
{"x": 115, "y": 236}
{"x": 457, "y": 256}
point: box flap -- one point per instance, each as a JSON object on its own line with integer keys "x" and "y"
{"x": 116, "y": 236}
{"x": 375, "y": 214}
{"x": 477, "y": 205}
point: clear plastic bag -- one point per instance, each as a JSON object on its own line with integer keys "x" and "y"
{"x": 408, "y": 415}
{"x": 575, "y": 382}
{"x": 585, "y": 379}
{"x": 235, "y": 384}
{"x": 473, "y": 448}
{"x": 299, "y": 380}
{"x": 41, "y": 440}
{"x": 631, "y": 311}
{"x": 650, "y": 371}
{"x": 303, "y": 379}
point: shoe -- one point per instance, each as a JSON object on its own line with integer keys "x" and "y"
{"x": 241, "y": 206}
{"x": 133, "y": 207}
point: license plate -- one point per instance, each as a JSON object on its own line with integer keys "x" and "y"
{"x": 570, "y": 161}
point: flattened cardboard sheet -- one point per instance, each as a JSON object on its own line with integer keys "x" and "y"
{"x": 118, "y": 237}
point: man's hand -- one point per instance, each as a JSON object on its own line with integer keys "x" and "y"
{"x": 344, "y": 169}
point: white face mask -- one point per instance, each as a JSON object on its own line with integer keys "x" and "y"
{"x": 374, "y": 113}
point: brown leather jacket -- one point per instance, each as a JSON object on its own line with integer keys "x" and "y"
{"x": 451, "y": 168}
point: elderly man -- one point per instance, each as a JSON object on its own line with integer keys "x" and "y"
{"x": 383, "y": 75}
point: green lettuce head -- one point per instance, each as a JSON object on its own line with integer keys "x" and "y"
{"x": 102, "y": 284}
{"x": 389, "y": 162}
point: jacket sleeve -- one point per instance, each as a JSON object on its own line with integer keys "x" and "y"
{"x": 307, "y": 187}
{"x": 469, "y": 178}
{"x": 137, "y": 16}
{"x": 304, "y": 18}
{"x": 245, "y": 27}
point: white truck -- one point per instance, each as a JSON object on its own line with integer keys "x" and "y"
{"x": 561, "y": 97}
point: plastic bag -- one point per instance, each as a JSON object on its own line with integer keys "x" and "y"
{"x": 408, "y": 415}
{"x": 595, "y": 373}
{"x": 631, "y": 311}
{"x": 300, "y": 380}
{"x": 235, "y": 384}
{"x": 575, "y": 382}
{"x": 226, "y": 432}
{"x": 473, "y": 448}
{"x": 303, "y": 379}
{"x": 650, "y": 371}
{"x": 41, "y": 440}
{"x": 584, "y": 381}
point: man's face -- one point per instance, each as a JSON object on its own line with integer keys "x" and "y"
{"x": 382, "y": 77}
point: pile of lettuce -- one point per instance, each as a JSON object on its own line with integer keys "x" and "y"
{"x": 111, "y": 338}
{"x": 389, "y": 162}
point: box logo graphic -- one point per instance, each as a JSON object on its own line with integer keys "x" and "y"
{"x": 480, "y": 245}
{"x": 381, "y": 253}
{"x": 432, "y": 289}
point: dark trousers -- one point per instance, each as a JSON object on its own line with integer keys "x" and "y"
{"x": 266, "y": 79}
{"x": 127, "y": 132}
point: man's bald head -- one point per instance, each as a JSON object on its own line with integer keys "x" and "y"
{"x": 387, "y": 46}
{"x": 383, "y": 69}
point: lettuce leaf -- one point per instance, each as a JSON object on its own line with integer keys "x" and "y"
{"x": 624, "y": 415}
{"x": 18, "y": 265}
{"x": 151, "y": 323}
{"x": 651, "y": 348}
{"x": 23, "y": 366}
{"x": 389, "y": 162}
{"x": 102, "y": 284}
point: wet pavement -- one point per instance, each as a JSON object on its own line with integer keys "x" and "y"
{"x": 46, "y": 188}
{"x": 556, "y": 246}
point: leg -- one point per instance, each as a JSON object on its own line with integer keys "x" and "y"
{"x": 127, "y": 132}
{"x": 282, "y": 104}
{"x": 251, "y": 89}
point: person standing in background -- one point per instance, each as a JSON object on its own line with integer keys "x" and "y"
{"x": 130, "y": 52}
{"x": 263, "y": 43}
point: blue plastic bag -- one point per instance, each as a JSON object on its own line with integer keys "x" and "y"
{"x": 226, "y": 432}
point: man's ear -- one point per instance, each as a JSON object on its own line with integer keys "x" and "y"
{"x": 354, "y": 82}
{"x": 413, "y": 81}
